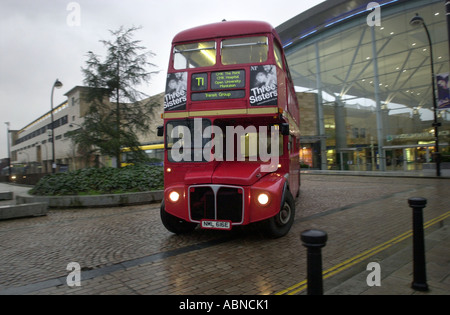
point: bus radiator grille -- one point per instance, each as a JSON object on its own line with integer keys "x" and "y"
{"x": 216, "y": 203}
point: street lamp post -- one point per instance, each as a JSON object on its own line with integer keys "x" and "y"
{"x": 57, "y": 85}
{"x": 416, "y": 21}
{"x": 9, "y": 149}
{"x": 447, "y": 9}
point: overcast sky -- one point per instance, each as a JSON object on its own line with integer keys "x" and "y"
{"x": 42, "y": 40}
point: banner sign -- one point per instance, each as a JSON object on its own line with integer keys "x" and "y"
{"x": 176, "y": 91}
{"x": 263, "y": 85}
{"x": 443, "y": 91}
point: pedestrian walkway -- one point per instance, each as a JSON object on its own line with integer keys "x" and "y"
{"x": 445, "y": 173}
{"x": 396, "y": 269}
{"x": 15, "y": 189}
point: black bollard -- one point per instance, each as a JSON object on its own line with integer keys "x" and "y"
{"x": 314, "y": 240}
{"x": 419, "y": 266}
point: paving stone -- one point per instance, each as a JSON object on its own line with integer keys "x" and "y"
{"x": 126, "y": 250}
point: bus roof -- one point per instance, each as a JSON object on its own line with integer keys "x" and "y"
{"x": 224, "y": 29}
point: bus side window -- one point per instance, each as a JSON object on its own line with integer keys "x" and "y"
{"x": 278, "y": 55}
{"x": 288, "y": 73}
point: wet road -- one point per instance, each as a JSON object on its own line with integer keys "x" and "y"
{"x": 126, "y": 250}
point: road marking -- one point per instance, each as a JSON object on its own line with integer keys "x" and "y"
{"x": 360, "y": 257}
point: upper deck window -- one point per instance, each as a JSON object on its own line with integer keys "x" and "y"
{"x": 244, "y": 50}
{"x": 196, "y": 55}
{"x": 277, "y": 53}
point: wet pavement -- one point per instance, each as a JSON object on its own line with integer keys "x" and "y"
{"x": 126, "y": 250}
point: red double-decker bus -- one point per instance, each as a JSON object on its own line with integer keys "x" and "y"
{"x": 231, "y": 128}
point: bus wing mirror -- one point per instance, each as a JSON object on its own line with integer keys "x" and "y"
{"x": 284, "y": 127}
{"x": 160, "y": 131}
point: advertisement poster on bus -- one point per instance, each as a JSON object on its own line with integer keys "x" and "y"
{"x": 176, "y": 91}
{"x": 263, "y": 85}
{"x": 443, "y": 91}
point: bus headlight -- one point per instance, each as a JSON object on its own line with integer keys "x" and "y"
{"x": 174, "y": 196}
{"x": 263, "y": 199}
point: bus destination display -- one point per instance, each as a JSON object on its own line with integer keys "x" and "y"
{"x": 225, "y": 81}
{"x": 228, "y": 80}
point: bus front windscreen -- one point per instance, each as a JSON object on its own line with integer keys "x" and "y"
{"x": 196, "y": 55}
{"x": 244, "y": 50}
{"x": 185, "y": 140}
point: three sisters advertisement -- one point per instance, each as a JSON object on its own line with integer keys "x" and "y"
{"x": 176, "y": 91}
{"x": 263, "y": 85}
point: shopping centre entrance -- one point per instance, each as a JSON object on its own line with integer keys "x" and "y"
{"x": 409, "y": 157}
{"x": 398, "y": 158}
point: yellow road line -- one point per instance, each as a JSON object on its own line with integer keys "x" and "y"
{"x": 360, "y": 257}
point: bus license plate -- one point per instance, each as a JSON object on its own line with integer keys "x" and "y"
{"x": 215, "y": 225}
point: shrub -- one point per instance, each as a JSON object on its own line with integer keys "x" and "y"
{"x": 133, "y": 178}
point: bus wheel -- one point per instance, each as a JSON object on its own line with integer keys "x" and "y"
{"x": 281, "y": 223}
{"x": 175, "y": 224}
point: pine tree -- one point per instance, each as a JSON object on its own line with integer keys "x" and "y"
{"x": 117, "y": 110}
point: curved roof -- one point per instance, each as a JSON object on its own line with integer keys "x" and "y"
{"x": 224, "y": 29}
{"x": 348, "y": 52}
{"x": 324, "y": 15}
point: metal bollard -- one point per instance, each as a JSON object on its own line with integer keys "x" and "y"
{"x": 419, "y": 266}
{"x": 314, "y": 240}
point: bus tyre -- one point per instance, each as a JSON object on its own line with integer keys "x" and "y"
{"x": 281, "y": 223}
{"x": 175, "y": 224}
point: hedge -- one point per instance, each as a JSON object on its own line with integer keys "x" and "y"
{"x": 92, "y": 181}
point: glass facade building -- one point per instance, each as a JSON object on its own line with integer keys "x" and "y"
{"x": 369, "y": 75}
